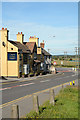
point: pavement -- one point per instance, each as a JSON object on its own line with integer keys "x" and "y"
{"x": 10, "y": 79}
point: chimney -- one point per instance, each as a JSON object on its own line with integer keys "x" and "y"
{"x": 4, "y": 34}
{"x": 34, "y": 39}
{"x": 20, "y": 37}
{"x": 42, "y": 44}
{"x": 2, "y": 28}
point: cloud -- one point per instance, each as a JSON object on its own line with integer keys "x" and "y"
{"x": 64, "y": 39}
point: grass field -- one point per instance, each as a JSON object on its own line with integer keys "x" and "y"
{"x": 65, "y": 63}
{"x": 66, "y": 106}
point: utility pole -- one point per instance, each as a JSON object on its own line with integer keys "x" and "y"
{"x": 48, "y": 50}
{"x": 64, "y": 58}
{"x": 65, "y": 55}
{"x": 78, "y": 56}
{"x": 75, "y": 57}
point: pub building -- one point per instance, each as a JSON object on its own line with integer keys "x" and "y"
{"x": 19, "y": 57}
{"x": 14, "y": 55}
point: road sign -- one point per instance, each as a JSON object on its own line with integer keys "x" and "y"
{"x": 54, "y": 63}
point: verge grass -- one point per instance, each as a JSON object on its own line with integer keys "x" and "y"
{"x": 65, "y": 63}
{"x": 66, "y": 106}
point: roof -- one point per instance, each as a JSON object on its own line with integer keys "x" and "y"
{"x": 31, "y": 45}
{"x": 20, "y": 46}
{"x": 45, "y": 52}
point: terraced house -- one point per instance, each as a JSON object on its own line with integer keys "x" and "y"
{"x": 19, "y": 57}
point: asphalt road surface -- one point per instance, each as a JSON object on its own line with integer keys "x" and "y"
{"x": 11, "y": 91}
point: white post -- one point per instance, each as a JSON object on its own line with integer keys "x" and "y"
{"x": 52, "y": 101}
{"x": 15, "y": 112}
{"x": 35, "y": 103}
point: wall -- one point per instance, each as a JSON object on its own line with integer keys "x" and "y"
{"x": 4, "y": 37}
{"x": 13, "y": 65}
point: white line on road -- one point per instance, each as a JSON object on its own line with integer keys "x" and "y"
{"x": 73, "y": 75}
{"x": 26, "y": 84}
{"x": 16, "y": 86}
{"x": 64, "y": 77}
{"x": 45, "y": 81}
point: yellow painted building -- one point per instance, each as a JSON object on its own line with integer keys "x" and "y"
{"x": 11, "y": 52}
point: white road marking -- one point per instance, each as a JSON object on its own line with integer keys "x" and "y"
{"x": 32, "y": 83}
{"x": 45, "y": 81}
{"x": 26, "y": 84}
{"x": 73, "y": 75}
{"x": 64, "y": 77}
{"x": 16, "y": 86}
{"x": 67, "y": 76}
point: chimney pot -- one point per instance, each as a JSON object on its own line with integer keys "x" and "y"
{"x": 5, "y": 28}
{"x": 21, "y": 32}
{"x": 42, "y": 45}
{"x": 18, "y": 32}
{"x": 43, "y": 41}
{"x": 2, "y": 28}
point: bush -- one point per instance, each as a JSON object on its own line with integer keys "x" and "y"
{"x": 32, "y": 114}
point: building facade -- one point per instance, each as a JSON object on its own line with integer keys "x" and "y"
{"x": 12, "y": 54}
{"x": 19, "y": 57}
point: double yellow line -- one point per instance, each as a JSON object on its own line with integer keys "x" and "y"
{"x": 21, "y": 98}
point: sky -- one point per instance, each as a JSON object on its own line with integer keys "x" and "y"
{"x": 54, "y": 22}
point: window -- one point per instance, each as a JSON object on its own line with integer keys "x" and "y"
{"x": 25, "y": 58}
{"x": 11, "y": 48}
{"x": 35, "y": 55}
{"x": 20, "y": 57}
{"x": 41, "y": 56}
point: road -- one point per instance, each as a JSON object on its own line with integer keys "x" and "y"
{"x": 21, "y": 92}
{"x": 11, "y": 91}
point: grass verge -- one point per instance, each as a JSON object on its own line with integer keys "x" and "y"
{"x": 66, "y": 106}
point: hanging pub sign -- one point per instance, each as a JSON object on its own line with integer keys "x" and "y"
{"x": 12, "y": 56}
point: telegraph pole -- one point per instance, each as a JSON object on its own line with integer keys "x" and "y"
{"x": 65, "y": 55}
{"x": 48, "y": 50}
{"x": 76, "y": 57}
